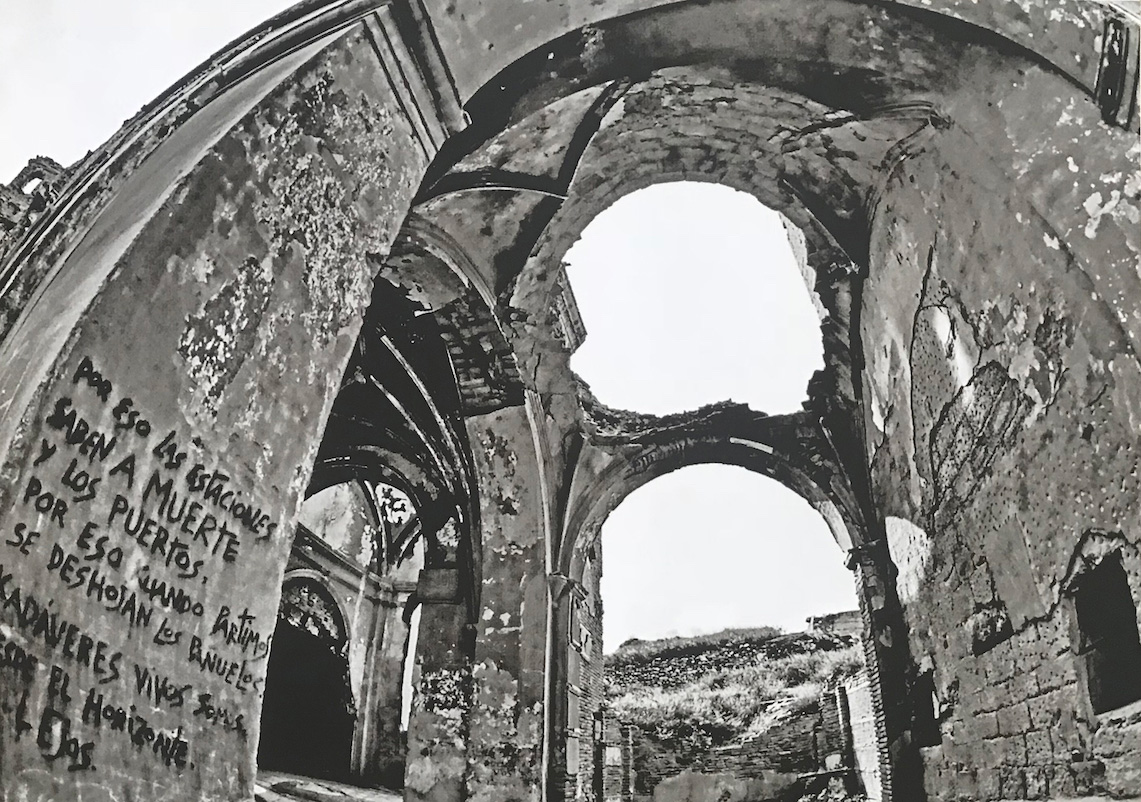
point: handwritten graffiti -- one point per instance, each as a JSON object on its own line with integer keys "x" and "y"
{"x": 120, "y": 518}
{"x": 115, "y": 598}
{"x": 23, "y": 538}
{"x": 13, "y": 658}
{"x": 233, "y": 672}
{"x": 80, "y": 434}
{"x": 159, "y": 688}
{"x": 54, "y": 736}
{"x": 237, "y": 630}
{"x": 44, "y": 501}
{"x": 169, "y": 746}
{"x": 153, "y": 537}
{"x": 220, "y": 715}
{"x": 48, "y": 627}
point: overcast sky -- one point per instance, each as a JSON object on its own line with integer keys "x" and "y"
{"x": 687, "y": 291}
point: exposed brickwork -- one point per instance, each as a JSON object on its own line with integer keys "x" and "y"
{"x": 814, "y": 740}
{"x": 1006, "y": 394}
{"x": 586, "y": 683}
{"x": 864, "y": 731}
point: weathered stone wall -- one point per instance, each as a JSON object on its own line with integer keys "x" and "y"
{"x": 153, "y": 520}
{"x": 505, "y": 746}
{"x": 184, "y": 315}
{"x": 1000, "y": 333}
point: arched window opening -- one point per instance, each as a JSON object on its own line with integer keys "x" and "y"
{"x": 1108, "y": 640}
{"x": 730, "y": 622}
{"x": 743, "y": 545}
{"x": 690, "y": 294}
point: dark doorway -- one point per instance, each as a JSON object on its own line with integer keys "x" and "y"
{"x": 1107, "y": 619}
{"x": 307, "y": 720}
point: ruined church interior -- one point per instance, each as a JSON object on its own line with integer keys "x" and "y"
{"x": 298, "y": 481}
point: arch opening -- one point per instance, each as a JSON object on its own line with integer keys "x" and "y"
{"x": 735, "y": 621}
{"x": 691, "y": 293}
{"x": 735, "y": 530}
{"x": 336, "y": 679}
{"x": 939, "y": 98}
{"x": 308, "y": 712}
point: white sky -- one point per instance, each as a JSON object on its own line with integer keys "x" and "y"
{"x": 71, "y": 71}
{"x": 698, "y": 271}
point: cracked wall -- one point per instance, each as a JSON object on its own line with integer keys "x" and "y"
{"x": 1000, "y": 331}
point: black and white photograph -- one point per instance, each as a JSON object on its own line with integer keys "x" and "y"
{"x": 570, "y": 400}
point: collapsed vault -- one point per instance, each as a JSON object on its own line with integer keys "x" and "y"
{"x": 962, "y": 178}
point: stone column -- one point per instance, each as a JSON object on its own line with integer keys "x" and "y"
{"x": 379, "y": 747}
{"x": 568, "y": 752}
{"x": 506, "y": 752}
{"x": 888, "y": 662}
{"x": 613, "y": 761}
{"x": 438, "y": 729}
{"x": 628, "y": 731}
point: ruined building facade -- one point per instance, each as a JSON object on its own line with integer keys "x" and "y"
{"x": 332, "y": 255}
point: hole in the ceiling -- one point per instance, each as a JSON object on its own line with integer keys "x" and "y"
{"x": 691, "y": 294}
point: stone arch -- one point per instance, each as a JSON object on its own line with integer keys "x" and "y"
{"x": 633, "y": 451}
{"x": 532, "y": 83}
{"x": 1065, "y": 41}
{"x": 602, "y": 51}
{"x": 367, "y": 546}
{"x": 611, "y": 487}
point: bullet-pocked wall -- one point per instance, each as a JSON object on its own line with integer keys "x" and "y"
{"x": 1001, "y": 335}
{"x": 212, "y": 264}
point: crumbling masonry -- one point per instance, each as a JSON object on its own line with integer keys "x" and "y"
{"x": 332, "y": 254}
